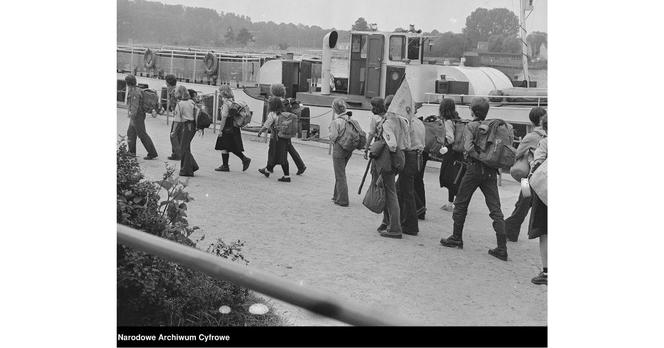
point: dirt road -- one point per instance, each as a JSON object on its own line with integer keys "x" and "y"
{"x": 294, "y": 231}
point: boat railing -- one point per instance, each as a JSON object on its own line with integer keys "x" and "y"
{"x": 281, "y": 289}
{"x": 538, "y": 100}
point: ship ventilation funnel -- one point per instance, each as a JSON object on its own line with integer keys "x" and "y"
{"x": 329, "y": 42}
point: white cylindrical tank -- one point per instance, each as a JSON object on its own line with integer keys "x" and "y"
{"x": 329, "y": 42}
{"x": 270, "y": 72}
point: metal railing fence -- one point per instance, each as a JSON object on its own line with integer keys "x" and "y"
{"x": 270, "y": 285}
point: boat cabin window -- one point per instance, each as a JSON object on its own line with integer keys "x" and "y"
{"x": 397, "y": 47}
{"x": 414, "y": 48}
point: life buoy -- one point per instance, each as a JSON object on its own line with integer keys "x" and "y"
{"x": 211, "y": 63}
{"x": 149, "y": 59}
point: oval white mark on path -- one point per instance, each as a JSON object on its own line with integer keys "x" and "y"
{"x": 206, "y": 195}
{"x": 224, "y": 309}
{"x": 258, "y": 308}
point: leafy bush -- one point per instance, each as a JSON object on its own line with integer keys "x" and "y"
{"x": 156, "y": 292}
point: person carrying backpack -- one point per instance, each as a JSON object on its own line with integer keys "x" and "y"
{"x": 393, "y": 131}
{"x": 186, "y": 109}
{"x": 526, "y": 149}
{"x": 230, "y": 137}
{"x": 278, "y": 90}
{"x": 137, "y": 120}
{"x": 340, "y": 156}
{"x": 176, "y": 123}
{"x": 451, "y": 163}
{"x": 538, "y": 215}
{"x": 477, "y": 175}
{"x": 284, "y": 127}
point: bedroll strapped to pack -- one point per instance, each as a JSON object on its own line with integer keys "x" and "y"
{"x": 286, "y": 125}
{"x": 352, "y": 137}
{"x": 150, "y": 100}
{"x": 240, "y": 113}
{"x": 493, "y": 142}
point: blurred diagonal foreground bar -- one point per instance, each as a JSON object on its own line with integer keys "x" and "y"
{"x": 313, "y": 300}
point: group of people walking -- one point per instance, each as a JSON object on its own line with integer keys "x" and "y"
{"x": 396, "y": 146}
{"x": 399, "y": 140}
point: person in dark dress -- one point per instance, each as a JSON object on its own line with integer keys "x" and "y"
{"x": 230, "y": 138}
{"x": 451, "y": 163}
{"x": 281, "y": 145}
{"x": 278, "y": 90}
{"x": 185, "y": 109}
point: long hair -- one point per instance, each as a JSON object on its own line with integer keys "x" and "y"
{"x": 226, "y": 92}
{"x": 275, "y": 105}
{"x": 278, "y": 90}
{"x": 447, "y": 110}
{"x": 339, "y": 106}
{"x": 181, "y": 93}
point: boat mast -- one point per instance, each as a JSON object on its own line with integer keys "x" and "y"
{"x": 524, "y": 46}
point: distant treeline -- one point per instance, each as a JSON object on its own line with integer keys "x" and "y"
{"x": 154, "y": 22}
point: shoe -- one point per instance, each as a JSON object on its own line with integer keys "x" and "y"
{"x": 245, "y": 163}
{"x": 148, "y": 157}
{"x": 452, "y": 242}
{"x": 190, "y": 175}
{"x": 420, "y": 217}
{"x": 223, "y": 168}
{"x": 499, "y": 253}
{"x": 173, "y": 158}
{"x": 391, "y": 235}
{"x": 284, "y": 179}
{"x": 448, "y": 207}
{"x": 381, "y": 228}
{"x": 541, "y": 279}
{"x": 264, "y": 172}
{"x": 341, "y": 205}
{"x": 410, "y": 233}
{"x": 301, "y": 171}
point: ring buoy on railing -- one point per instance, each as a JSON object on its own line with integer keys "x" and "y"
{"x": 149, "y": 59}
{"x": 211, "y": 63}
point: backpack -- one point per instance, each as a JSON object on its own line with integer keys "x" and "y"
{"x": 203, "y": 120}
{"x": 493, "y": 141}
{"x": 240, "y": 113}
{"x": 459, "y": 128}
{"x": 150, "y": 100}
{"x": 521, "y": 167}
{"x": 352, "y": 137}
{"x": 286, "y": 125}
{"x": 434, "y": 136}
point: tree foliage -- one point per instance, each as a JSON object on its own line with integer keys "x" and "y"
{"x": 154, "y": 22}
{"x": 360, "y": 25}
{"x": 535, "y": 41}
{"x": 244, "y": 37}
{"x": 485, "y": 25}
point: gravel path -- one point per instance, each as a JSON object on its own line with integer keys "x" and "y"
{"x": 294, "y": 231}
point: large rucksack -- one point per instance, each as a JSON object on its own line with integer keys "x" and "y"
{"x": 203, "y": 120}
{"x": 352, "y": 137}
{"x": 459, "y": 128}
{"x": 150, "y": 100}
{"x": 286, "y": 125}
{"x": 434, "y": 135}
{"x": 240, "y": 113}
{"x": 493, "y": 142}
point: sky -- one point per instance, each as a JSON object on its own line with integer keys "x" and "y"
{"x": 443, "y": 15}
